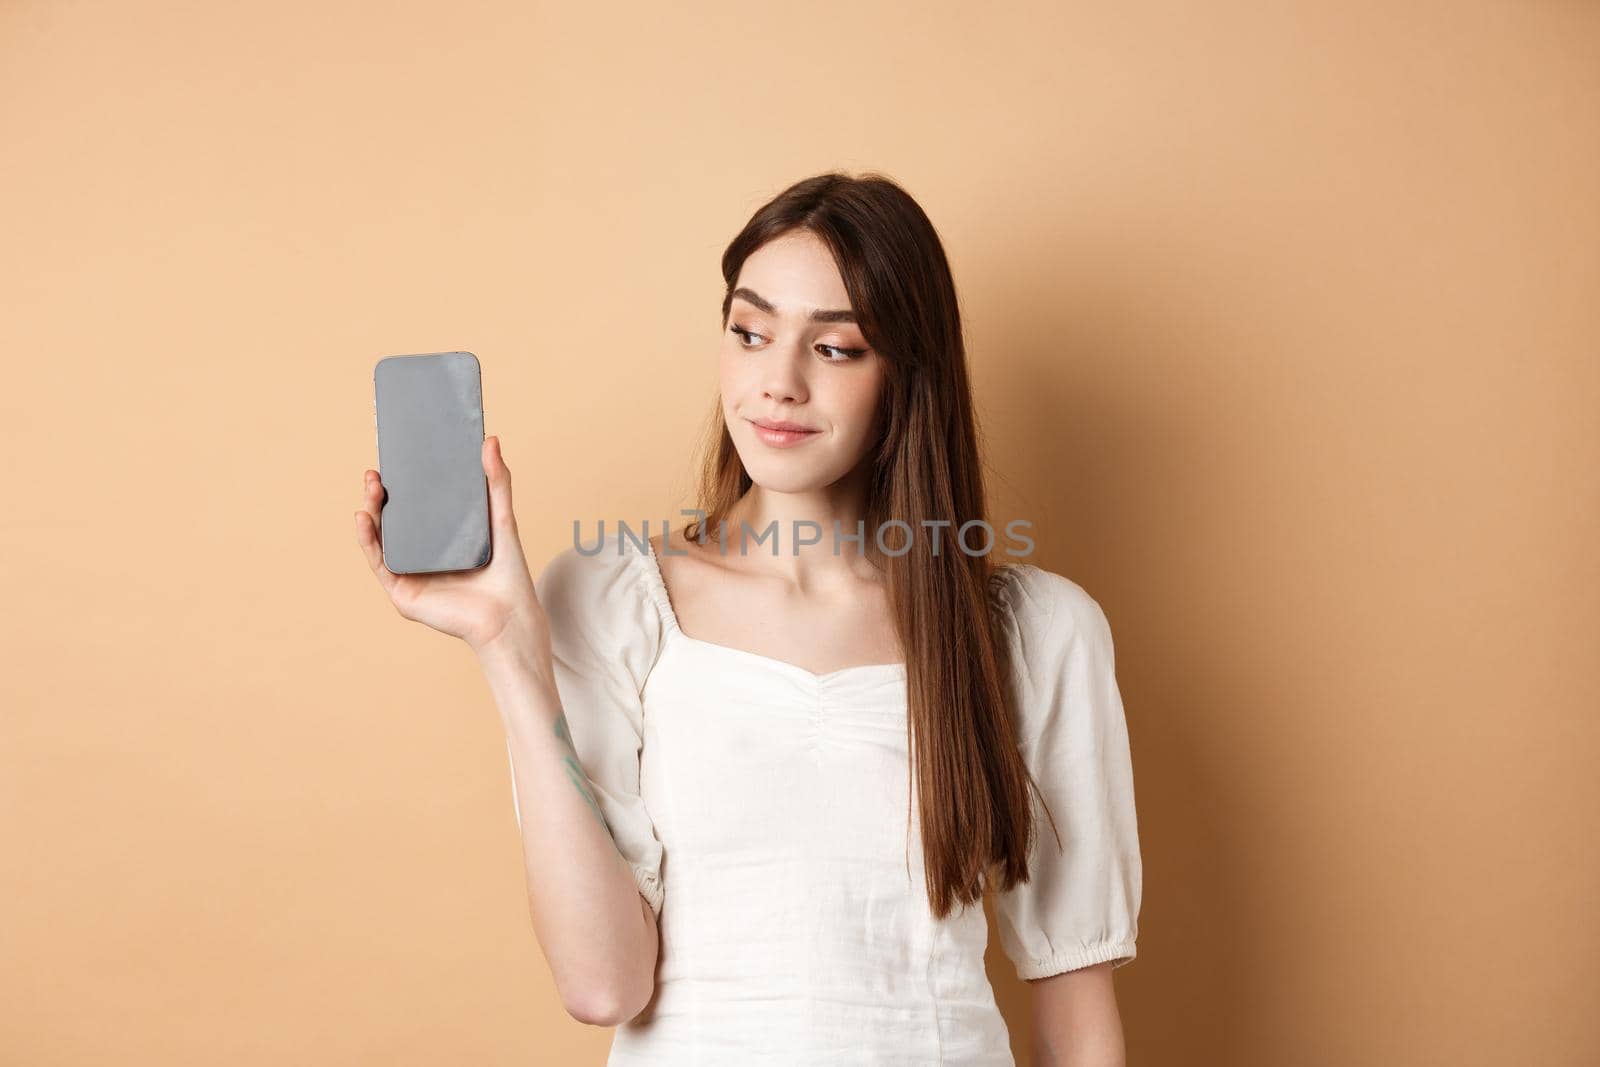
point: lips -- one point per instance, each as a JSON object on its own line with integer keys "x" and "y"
{"x": 780, "y": 433}
{"x": 783, "y": 424}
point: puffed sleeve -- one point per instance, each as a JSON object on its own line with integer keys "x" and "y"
{"x": 1081, "y": 903}
{"x": 605, "y": 633}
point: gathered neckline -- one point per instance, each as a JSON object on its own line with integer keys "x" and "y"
{"x": 656, "y": 585}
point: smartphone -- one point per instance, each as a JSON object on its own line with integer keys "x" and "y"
{"x": 428, "y": 410}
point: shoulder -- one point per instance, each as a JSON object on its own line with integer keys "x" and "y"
{"x": 597, "y": 584}
{"x": 1058, "y": 651}
{"x": 1035, "y": 605}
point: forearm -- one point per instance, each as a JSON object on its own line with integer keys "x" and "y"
{"x": 595, "y": 929}
{"x": 1076, "y": 1020}
{"x": 1100, "y": 1047}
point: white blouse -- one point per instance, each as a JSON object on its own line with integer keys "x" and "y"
{"x": 762, "y": 808}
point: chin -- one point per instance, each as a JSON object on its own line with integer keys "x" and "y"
{"x": 786, "y": 481}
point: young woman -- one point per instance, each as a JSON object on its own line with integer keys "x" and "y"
{"x": 764, "y": 774}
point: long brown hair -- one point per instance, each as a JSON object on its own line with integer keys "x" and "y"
{"x": 965, "y": 762}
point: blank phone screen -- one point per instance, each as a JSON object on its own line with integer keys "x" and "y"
{"x": 429, "y": 412}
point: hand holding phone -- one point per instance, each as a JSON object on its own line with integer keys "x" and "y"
{"x": 453, "y": 515}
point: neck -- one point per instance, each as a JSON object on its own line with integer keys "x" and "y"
{"x": 805, "y": 516}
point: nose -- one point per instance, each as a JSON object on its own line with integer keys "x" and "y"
{"x": 783, "y": 374}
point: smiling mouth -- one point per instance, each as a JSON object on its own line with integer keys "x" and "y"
{"x": 779, "y": 436}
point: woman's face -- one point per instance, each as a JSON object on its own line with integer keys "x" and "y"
{"x": 792, "y": 353}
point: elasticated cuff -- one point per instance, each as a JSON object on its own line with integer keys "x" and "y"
{"x": 1121, "y": 953}
{"x": 649, "y": 883}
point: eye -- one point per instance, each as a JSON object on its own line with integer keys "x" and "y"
{"x": 845, "y": 354}
{"x": 838, "y": 355}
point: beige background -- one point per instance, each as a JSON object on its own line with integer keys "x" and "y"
{"x": 1283, "y": 324}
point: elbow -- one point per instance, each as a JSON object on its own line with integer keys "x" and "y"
{"x": 605, "y": 1007}
{"x": 592, "y": 1010}
{"x": 616, "y": 997}
{"x": 592, "y": 1007}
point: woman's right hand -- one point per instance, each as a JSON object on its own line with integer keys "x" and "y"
{"x": 484, "y": 607}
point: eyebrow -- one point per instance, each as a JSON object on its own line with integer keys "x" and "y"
{"x": 843, "y": 315}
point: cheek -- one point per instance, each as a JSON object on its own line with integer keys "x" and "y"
{"x": 734, "y": 364}
{"x": 855, "y": 402}
{"x": 728, "y": 368}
